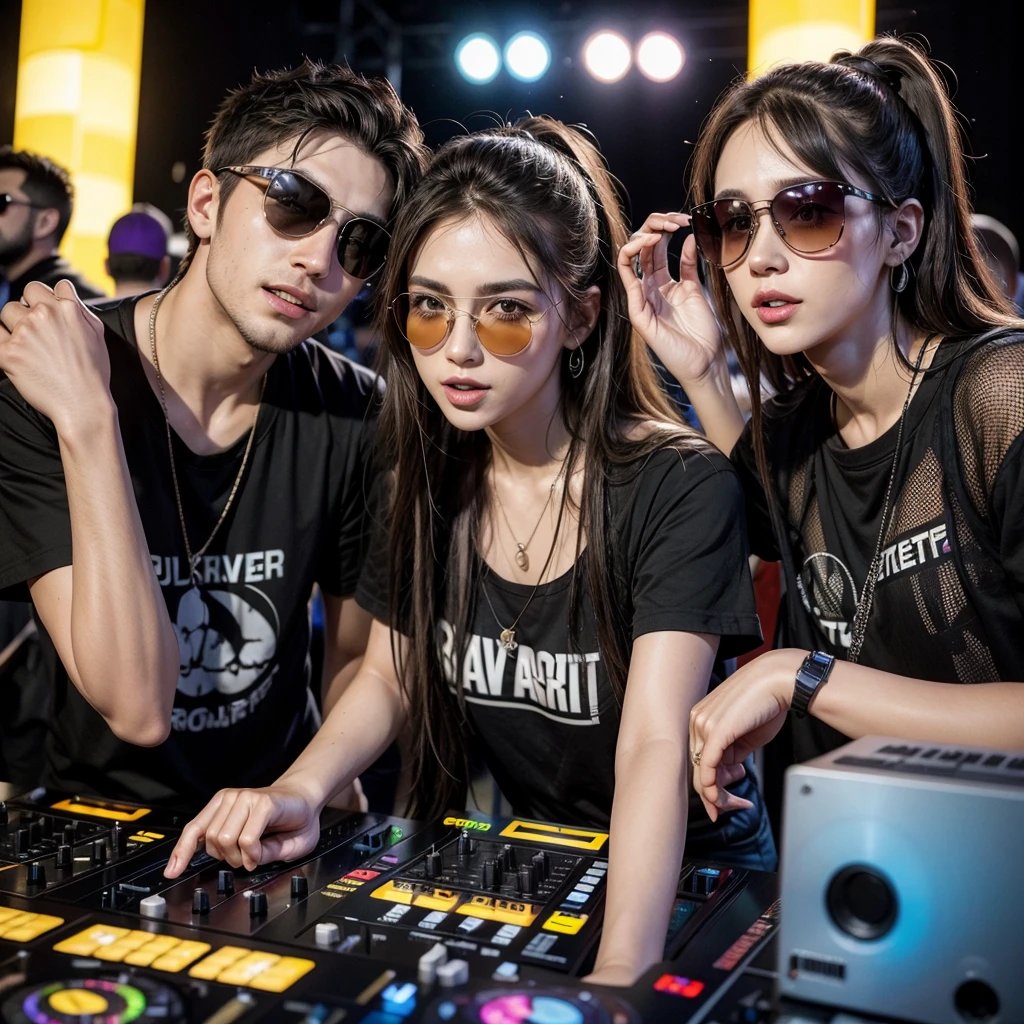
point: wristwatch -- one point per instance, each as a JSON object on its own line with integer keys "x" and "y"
{"x": 812, "y": 675}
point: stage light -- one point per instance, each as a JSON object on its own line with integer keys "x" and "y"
{"x": 781, "y": 31}
{"x": 77, "y": 102}
{"x": 606, "y": 55}
{"x": 659, "y": 56}
{"x": 478, "y": 59}
{"x": 527, "y": 56}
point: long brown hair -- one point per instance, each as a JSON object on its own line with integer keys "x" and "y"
{"x": 883, "y": 113}
{"x": 547, "y": 188}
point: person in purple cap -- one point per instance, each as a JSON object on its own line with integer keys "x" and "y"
{"x": 137, "y": 247}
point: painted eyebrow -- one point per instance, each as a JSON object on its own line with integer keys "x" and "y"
{"x": 518, "y": 284}
{"x": 779, "y": 186}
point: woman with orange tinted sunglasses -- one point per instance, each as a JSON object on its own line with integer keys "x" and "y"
{"x": 560, "y": 561}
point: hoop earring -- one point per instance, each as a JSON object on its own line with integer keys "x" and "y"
{"x": 899, "y": 278}
{"x": 576, "y": 363}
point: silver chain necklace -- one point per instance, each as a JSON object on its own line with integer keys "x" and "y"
{"x": 193, "y": 559}
{"x": 867, "y": 597}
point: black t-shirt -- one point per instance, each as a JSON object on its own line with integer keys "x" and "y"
{"x": 545, "y": 715}
{"x": 925, "y": 621}
{"x": 243, "y": 710}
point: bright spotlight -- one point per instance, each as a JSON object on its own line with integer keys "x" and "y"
{"x": 478, "y": 59}
{"x": 659, "y": 56}
{"x": 606, "y": 55}
{"x": 527, "y": 56}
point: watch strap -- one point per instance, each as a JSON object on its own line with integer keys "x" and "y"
{"x": 811, "y": 676}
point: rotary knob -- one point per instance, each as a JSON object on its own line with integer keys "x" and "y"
{"x": 508, "y": 856}
{"x": 119, "y": 840}
{"x": 327, "y": 934}
{"x": 526, "y": 880}
{"x": 541, "y": 866}
{"x": 225, "y": 881}
{"x": 64, "y": 856}
{"x": 466, "y": 845}
{"x": 36, "y": 875}
{"x": 153, "y": 906}
{"x": 98, "y": 853}
{"x": 258, "y": 904}
{"x": 21, "y": 843}
{"x": 300, "y": 887}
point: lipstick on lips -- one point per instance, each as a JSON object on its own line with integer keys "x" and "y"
{"x": 774, "y": 307}
{"x": 464, "y": 392}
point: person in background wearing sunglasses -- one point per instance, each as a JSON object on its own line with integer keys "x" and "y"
{"x": 36, "y": 202}
{"x": 887, "y": 472}
{"x": 177, "y": 472}
{"x": 557, "y": 568}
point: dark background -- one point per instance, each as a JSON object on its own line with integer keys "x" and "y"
{"x": 194, "y": 50}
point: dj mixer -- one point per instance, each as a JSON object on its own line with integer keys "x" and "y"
{"x": 387, "y": 921}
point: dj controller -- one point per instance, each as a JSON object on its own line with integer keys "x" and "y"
{"x": 387, "y": 921}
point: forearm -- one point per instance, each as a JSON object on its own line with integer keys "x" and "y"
{"x": 715, "y": 404}
{"x": 129, "y": 672}
{"x": 861, "y": 701}
{"x": 339, "y": 673}
{"x": 650, "y": 785}
{"x": 358, "y": 729}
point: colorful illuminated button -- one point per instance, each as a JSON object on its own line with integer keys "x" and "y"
{"x": 243, "y": 971}
{"x": 394, "y": 892}
{"x": 506, "y": 911}
{"x": 363, "y": 873}
{"x": 436, "y": 899}
{"x": 24, "y": 926}
{"x": 565, "y": 922}
{"x": 219, "y": 960}
{"x": 86, "y": 943}
{"x": 282, "y": 975}
{"x": 78, "y": 1002}
{"x": 178, "y": 958}
{"x": 117, "y": 951}
{"x": 555, "y": 835}
{"x": 674, "y": 985}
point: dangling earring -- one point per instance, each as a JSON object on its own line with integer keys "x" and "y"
{"x": 576, "y": 362}
{"x": 899, "y": 277}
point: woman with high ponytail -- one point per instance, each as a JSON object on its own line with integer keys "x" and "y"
{"x": 886, "y": 472}
{"x": 559, "y": 561}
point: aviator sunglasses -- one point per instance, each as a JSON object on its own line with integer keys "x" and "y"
{"x": 504, "y": 328}
{"x": 809, "y": 218}
{"x": 296, "y": 206}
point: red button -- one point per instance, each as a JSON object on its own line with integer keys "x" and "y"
{"x": 674, "y": 985}
{"x": 362, "y": 873}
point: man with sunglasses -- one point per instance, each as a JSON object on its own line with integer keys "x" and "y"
{"x": 179, "y": 470}
{"x": 36, "y": 201}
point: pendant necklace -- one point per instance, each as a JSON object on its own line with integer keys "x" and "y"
{"x": 193, "y": 559}
{"x": 522, "y": 558}
{"x": 507, "y": 636}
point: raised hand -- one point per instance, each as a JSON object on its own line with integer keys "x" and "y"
{"x": 52, "y": 349}
{"x": 673, "y": 317}
{"x": 247, "y": 827}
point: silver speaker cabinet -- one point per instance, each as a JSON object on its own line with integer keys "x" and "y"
{"x": 903, "y": 882}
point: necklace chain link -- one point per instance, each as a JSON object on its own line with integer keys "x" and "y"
{"x": 860, "y": 615}
{"x": 193, "y": 559}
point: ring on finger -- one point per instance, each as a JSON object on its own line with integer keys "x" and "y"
{"x": 695, "y": 757}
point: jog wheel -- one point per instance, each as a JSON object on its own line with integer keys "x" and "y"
{"x": 102, "y": 1000}
{"x": 531, "y": 1006}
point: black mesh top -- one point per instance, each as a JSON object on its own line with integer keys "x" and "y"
{"x": 949, "y": 601}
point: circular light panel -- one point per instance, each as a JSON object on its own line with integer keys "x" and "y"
{"x": 527, "y": 56}
{"x": 478, "y": 59}
{"x": 659, "y": 56}
{"x": 606, "y": 55}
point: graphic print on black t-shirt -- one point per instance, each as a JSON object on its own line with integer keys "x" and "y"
{"x": 559, "y": 685}
{"x": 227, "y": 638}
{"x": 545, "y": 715}
{"x": 828, "y": 587}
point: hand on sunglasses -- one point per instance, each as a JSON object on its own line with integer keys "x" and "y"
{"x": 296, "y": 206}
{"x": 673, "y": 317}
